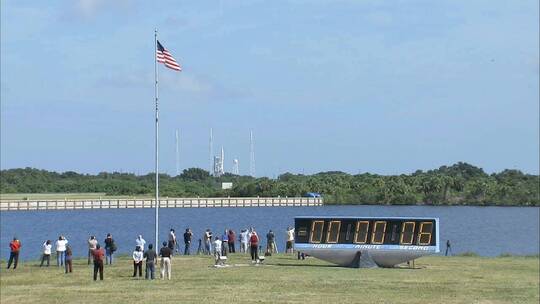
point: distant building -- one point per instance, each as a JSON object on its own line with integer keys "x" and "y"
{"x": 226, "y": 186}
{"x": 312, "y": 194}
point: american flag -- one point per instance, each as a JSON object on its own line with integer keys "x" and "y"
{"x": 165, "y": 57}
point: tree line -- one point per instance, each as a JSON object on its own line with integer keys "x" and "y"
{"x": 459, "y": 184}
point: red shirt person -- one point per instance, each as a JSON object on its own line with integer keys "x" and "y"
{"x": 15, "y": 247}
{"x": 99, "y": 255}
{"x": 254, "y": 246}
{"x": 232, "y": 237}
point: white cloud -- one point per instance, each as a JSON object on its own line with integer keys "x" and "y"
{"x": 199, "y": 87}
{"x": 190, "y": 83}
{"x": 91, "y": 8}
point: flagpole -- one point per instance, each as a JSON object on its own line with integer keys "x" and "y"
{"x": 157, "y": 139}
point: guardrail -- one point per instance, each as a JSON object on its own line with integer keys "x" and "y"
{"x": 220, "y": 202}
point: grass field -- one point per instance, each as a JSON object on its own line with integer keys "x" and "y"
{"x": 283, "y": 279}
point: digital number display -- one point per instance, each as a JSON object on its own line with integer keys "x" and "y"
{"x": 407, "y": 233}
{"x": 379, "y": 230}
{"x": 361, "y": 234}
{"x": 316, "y": 232}
{"x": 424, "y": 235}
{"x": 332, "y": 236}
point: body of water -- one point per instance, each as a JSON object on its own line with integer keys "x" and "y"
{"x": 487, "y": 231}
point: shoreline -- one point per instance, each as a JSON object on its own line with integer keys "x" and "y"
{"x": 68, "y": 197}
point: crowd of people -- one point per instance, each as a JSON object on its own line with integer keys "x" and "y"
{"x": 219, "y": 246}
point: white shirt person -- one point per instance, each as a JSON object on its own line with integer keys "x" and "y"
{"x": 61, "y": 250}
{"x": 47, "y": 249}
{"x": 138, "y": 257}
{"x": 140, "y": 242}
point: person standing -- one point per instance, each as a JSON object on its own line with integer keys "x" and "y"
{"x": 110, "y": 248}
{"x": 232, "y": 238}
{"x": 140, "y": 242}
{"x": 187, "y": 241}
{"x": 271, "y": 242}
{"x": 92, "y": 243}
{"x": 165, "y": 253}
{"x": 69, "y": 259}
{"x": 15, "y": 249}
{"x": 98, "y": 256}
{"x": 172, "y": 240}
{"x": 47, "y": 249}
{"x": 244, "y": 240}
{"x": 137, "y": 261}
{"x": 254, "y": 246}
{"x": 217, "y": 250}
{"x": 290, "y": 240}
{"x": 207, "y": 242}
{"x": 61, "y": 250}
{"x": 448, "y": 248}
{"x": 151, "y": 256}
{"x": 225, "y": 243}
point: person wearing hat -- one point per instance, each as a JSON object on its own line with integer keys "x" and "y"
{"x": 138, "y": 257}
{"x": 110, "y": 248}
{"x": 150, "y": 256}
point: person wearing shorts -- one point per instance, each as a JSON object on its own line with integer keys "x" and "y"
{"x": 290, "y": 240}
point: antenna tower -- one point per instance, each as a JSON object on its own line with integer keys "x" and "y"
{"x": 235, "y": 168}
{"x": 211, "y": 152}
{"x": 177, "y": 154}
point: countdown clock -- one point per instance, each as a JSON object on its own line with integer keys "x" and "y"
{"x": 366, "y": 241}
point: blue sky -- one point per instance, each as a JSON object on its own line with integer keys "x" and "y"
{"x": 379, "y": 86}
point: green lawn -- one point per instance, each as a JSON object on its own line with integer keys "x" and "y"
{"x": 283, "y": 279}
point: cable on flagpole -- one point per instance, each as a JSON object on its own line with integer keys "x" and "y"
{"x": 156, "y": 245}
